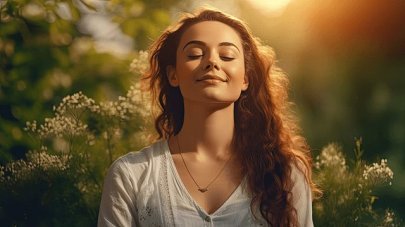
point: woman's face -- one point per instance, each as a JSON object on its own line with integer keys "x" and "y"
{"x": 209, "y": 64}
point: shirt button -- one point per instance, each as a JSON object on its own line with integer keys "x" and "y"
{"x": 207, "y": 218}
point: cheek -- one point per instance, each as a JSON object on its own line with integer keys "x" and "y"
{"x": 236, "y": 72}
{"x": 186, "y": 68}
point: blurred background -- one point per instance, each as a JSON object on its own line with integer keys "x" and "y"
{"x": 345, "y": 60}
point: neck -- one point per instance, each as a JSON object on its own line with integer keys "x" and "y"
{"x": 207, "y": 131}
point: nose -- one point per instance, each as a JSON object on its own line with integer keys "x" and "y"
{"x": 211, "y": 63}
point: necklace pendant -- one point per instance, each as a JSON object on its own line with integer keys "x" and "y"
{"x": 202, "y": 190}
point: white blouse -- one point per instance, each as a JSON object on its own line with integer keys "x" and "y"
{"x": 144, "y": 189}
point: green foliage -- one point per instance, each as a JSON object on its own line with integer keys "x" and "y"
{"x": 349, "y": 193}
{"x": 46, "y": 54}
{"x": 41, "y": 191}
{"x": 60, "y": 183}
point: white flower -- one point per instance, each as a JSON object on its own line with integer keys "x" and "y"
{"x": 331, "y": 157}
{"x": 46, "y": 161}
{"x": 31, "y": 127}
{"x": 378, "y": 173}
{"x": 140, "y": 64}
{"x": 135, "y": 102}
{"x": 120, "y": 109}
{"x": 139, "y": 101}
{"x": 36, "y": 160}
{"x": 61, "y": 125}
{"x": 76, "y": 101}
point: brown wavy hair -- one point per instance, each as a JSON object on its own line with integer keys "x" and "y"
{"x": 266, "y": 135}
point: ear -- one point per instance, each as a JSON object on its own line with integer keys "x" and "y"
{"x": 245, "y": 83}
{"x": 171, "y": 76}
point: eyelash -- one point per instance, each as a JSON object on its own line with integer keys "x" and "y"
{"x": 194, "y": 57}
{"x": 227, "y": 58}
{"x": 224, "y": 58}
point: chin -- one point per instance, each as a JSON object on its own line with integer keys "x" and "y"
{"x": 212, "y": 98}
{"x": 216, "y": 100}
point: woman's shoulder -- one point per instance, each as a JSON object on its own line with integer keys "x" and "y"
{"x": 145, "y": 155}
{"x": 136, "y": 162}
{"x": 301, "y": 193}
{"x": 299, "y": 176}
{"x": 299, "y": 170}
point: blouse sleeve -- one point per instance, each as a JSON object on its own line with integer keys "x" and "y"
{"x": 117, "y": 207}
{"x": 302, "y": 199}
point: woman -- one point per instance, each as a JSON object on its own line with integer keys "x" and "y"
{"x": 229, "y": 153}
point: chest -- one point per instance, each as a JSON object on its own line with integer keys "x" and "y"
{"x": 210, "y": 186}
{"x": 164, "y": 200}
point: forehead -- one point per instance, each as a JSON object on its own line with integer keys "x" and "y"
{"x": 211, "y": 33}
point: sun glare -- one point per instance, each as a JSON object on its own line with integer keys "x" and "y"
{"x": 273, "y": 7}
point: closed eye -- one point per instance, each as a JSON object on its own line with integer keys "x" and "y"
{"x": 194, "y": 57}
{"x": 225, "y": 58}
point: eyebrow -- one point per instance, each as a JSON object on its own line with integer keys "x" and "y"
{"x": 201, "y": 43}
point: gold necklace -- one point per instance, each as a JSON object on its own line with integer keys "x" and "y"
{"x": 202, "y": 190}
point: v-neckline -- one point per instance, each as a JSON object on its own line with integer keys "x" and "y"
{"x": 187, "y": 193}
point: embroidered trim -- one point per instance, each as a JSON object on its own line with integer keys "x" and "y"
{"x": 164, "y": 189}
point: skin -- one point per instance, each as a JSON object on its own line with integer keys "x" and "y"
{"x": 208, "y": 49}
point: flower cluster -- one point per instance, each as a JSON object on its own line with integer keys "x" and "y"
{"x": 378, "y": 173}
{"x": 141, "y": 101}
{"x": 134, "y": 102}
{"x": 68, "y": 113}
{"x": 76, "y": 101}
{"x": 46, "y": 161}
{"x": 140, "y": 64}
{"x": 57, "y": 126}
{"x": 121, "y": 108}
{"x": 332, "y": 158}
{"x": 31, "y": 126}
{"x": 72, "y": 113}
{"x": 36, "y": 160}
{"x": 349, "y": 190}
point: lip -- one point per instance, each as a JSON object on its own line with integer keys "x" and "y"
{"x": 211, "y": 77}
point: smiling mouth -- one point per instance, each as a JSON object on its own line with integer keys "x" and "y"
{"x": 211, "y": 77}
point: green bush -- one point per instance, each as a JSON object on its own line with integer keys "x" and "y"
{"x": 60, "y": 183}
{"x": 41, "y": 191}
{"x": 349, "y": 192}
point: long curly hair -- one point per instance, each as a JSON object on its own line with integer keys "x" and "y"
{"x": 266, "y": 135}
